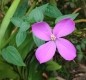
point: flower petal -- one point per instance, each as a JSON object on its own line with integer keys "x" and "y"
{"x": 42, "y": 30}
{"x": 64, "y": 27}
{"x": 45, "y": 52}
{"x": 66, "y": 49}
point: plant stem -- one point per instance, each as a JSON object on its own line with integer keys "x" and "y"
{"x": 7, "y": 18}
{"x": 32, "y": 6}
{"x": 80, "y": 20}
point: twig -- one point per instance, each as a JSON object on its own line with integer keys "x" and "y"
{"x": 76, "y": 10}
{"x": 80, "y": 20}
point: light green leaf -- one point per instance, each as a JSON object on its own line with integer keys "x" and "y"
{"x": 36, "y": 14}
{"x": 52, "y": 66}
{"x": 43, "y": 8}
{"x": 38, "y": 41}
{"x": 20, "y": 37}
{"x": 53, "y": 11}
{"x": 11, "y": 55}
{"x": 18, "y": 22}
{"x": 72, "y": 16}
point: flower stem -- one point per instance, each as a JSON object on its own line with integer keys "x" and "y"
{"x": 7, "y": 18}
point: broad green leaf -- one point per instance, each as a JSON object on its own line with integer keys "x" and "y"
{"x": 36, "y": 15}
{"x": 25, "y": 26}
{"x": 38, "y": 41}
{"x": 20, "y": 37}
{"x": 11, "y": 55}
{"x": 43, "y": 8}
{"x": 16, "y": 21}
{"x": 52, "y": 66}
{"x": 53, "y": 11}
{"x": 72, "y": 16}
{"x": 19, "y": 22}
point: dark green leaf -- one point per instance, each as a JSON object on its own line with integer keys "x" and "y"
{"x": 79, "y": 48}
{"x": 83, "y": 46}
{"x": 35, "y": 72}
{"x": 38, "y": 41}
{"x": 80, "y": 56}
{"x": 20, "y": 37}
{"x": 26, "y": 46}
{"x": 11, "y": 55}
{"x": 22, "y": 8}
{"x": 6, "y": 71}
{"x": 84, "y": 40}
{"x": 52, "y": 66}
{"x": 72, "y": 16}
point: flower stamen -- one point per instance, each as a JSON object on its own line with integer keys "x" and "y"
{"x": 53, "y": 38}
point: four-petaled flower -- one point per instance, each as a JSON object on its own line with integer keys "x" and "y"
{"x": 54, "y": 37}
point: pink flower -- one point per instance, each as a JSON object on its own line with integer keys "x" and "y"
{"x": 54, "y": 37}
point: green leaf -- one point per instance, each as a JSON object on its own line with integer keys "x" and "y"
{"x": 20, "y": 37}
{"x": 84, "y": 40}
{"x": 83, "y": 46}
{"x": 72, "y": 16}
{"x": 36, "y": 14}
{"x": 43, "y": 8}
{"x": 53, "y": 11}
{"x": 22, "y": 8}
{"x": 38, "y": 41}
{"x": 80, "y": 56}
{"x": 35, "y": 70}
{"x": 18, "y": 22}
{"x": 79, "y": 48}
{"x": 11, "y": 55}
{"x": 52, "y": 66}
{"x": 26, "y": 46}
